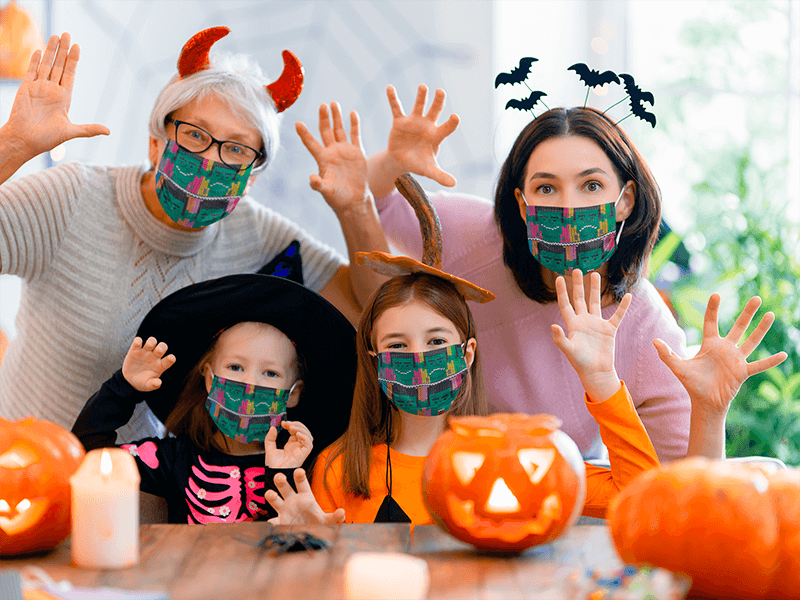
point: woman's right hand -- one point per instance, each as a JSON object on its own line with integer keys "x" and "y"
{"x": 145, "y": 363}
{"x": 298, "y": 507}
{"x": 38, "y": 121}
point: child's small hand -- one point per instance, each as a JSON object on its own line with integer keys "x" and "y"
{"x": 145, "y": 363}
{"x": 589, "y": 343}
{"x": 299, "y": 507}
{"x": 718, "y": 370}
{"x": 296, "y": 450}
{"x": 342, "y": 178}
{"x": 414, "y": 138}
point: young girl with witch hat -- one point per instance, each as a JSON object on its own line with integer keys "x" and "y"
{"x": 246, "y": 353}
{"x": 418, "y": 365}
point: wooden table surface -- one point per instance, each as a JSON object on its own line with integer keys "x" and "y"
{"x": 226, "y": 562}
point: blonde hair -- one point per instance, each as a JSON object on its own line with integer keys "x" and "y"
{"x": 371, "y": 418}
{"x": 238, "y": 81}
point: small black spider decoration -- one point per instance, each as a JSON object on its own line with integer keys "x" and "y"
{"x": 278, "y": 543}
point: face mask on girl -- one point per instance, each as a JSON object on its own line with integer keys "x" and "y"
{"x": 562, "y": 239}
{"x": 195, "y": 191}
{"x": 422, "y": 383}
{"x": 243, "y": 411}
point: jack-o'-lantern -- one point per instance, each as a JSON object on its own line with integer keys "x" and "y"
{"x": 36, "y": 461}
{"x": 19, "y": 38}
{"x": 506, "y": 481}
{"x": 733, "y": 528}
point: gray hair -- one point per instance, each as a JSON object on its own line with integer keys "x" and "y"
{"x": 239, "y": 82}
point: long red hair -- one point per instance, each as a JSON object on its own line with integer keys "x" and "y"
{"x": 374, "y": 419}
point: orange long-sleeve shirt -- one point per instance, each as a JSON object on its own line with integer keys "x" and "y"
{"x": 629, "y": 448}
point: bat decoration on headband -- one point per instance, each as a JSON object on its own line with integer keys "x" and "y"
{"x": 526, "y": 103}
{"x": 593, "y": 78}
{"x": 518, "y": 74}
{"x": 283, "y": 91}
{"x": 637, "y": 96}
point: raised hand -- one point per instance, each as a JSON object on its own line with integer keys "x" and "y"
{"x": 145, "y": 363}
{"x": 589, "y": 341}
{"x": 414, "y": 138}
{"x": 715, "y": 374}
{"x": 38, "y": 121}
{"x": 342, "y": 178}
{"x": 298, "y": 507}
{"x": 294, "y": 452}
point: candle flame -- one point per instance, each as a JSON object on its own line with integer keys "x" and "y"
{"x": 105, "y": 464}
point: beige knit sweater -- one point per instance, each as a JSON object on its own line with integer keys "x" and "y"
{"x": 94, "y": 260}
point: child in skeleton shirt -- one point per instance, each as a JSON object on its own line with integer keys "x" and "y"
{"x": 257, "y": 338}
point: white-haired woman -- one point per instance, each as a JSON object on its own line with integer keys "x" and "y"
{"x": 97, "y": 247}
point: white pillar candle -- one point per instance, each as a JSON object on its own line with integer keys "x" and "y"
{"x": 105, "y": 510}
{"x": 385, "y": 576}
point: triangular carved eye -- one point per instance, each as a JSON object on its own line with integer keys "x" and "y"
{"x": 536, "y": 461}
{"x": 466, "y": 464}
{"x": 18, "y": 457}
{"x": 502, "y": 499}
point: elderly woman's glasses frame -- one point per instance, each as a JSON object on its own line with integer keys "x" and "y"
{"x": 198, "y": 140}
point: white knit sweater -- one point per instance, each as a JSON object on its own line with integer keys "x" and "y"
{"x": 94, "y": 261}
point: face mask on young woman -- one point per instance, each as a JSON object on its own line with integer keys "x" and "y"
{"x": 562, "y": 239}
{"x": 245, "y": 412}
{"x": 423, "y": 383}
{"x": 195, "y": 191}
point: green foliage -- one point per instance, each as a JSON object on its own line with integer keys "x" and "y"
{"x": 743, "y": 245}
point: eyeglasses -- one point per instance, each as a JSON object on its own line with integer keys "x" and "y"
{"x": 198, "y": 140}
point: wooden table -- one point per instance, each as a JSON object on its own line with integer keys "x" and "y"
{"x": 225, "y": 562}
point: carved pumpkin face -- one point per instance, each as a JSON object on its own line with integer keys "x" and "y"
{"x": 505, "y": 482}
{"x": 36, "y": 461}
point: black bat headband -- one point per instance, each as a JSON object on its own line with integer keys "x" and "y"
{"x": 590, "y": 78}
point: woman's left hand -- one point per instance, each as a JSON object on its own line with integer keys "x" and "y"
{"x": 342, "y": 178}
{"x": 299, "y": 507}
{"x": 294, "y": 452}
{"x": 715, "y": 374}
{"x": 589, "y": 342}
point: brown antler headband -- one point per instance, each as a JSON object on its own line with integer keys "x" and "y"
{"x": 431, "y": 229}
{"x": 284, "y": 90}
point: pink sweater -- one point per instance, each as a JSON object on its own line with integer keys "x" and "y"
{"x": 523, "y": 369}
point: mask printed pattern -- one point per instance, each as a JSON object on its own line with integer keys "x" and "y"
{"x": 563, "y": 239}
{"x": 243, "y": 411}
{"x": 195, "y": 191}
{"x": 422, "y": 383}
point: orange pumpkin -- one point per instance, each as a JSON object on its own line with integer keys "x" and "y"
{"x": 733, "y": 528}
{"x": 19, "y": 38}
{"x": 36, "y": 461}
{"x": 505, "y": 482}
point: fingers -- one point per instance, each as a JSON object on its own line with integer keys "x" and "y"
{"x": 71, "y": 66}
{"x": 136, "y": 344}
{"x": 275, "y": 501}
{"x": 419, "y": 102}
{"x": 743, "y": 322}
{"x": 335, "y": 517}
{"x": 33, "y": 65}
{"x": 355, "y": 129}
{"x": 563, "y": 299}
{"x": 61, "y": 58}
{"x": 594, "y": 293}
{"x": 437, "y": 105}
{"x": 300, "y": 482}
{"x": 325, "y": 132}
{"x": 394, "y": 102}
{"x": 754, "y": 339}
{"x": 311, "y": 144}
{"x": 759, "y": 366}
{"x": 43, "y": 71}
{"x": 559, "y": 338}
{"x": 88, "y": 130}
{"x": 296, "y": 428}
{"x": 339, "y": 134}
{"x": 578, "y": 293}
{"x": 618, "y": 315}
{"x": 270, "y": 439}
{"x": 448, "y": 126}
{"x": 668, "y": 357}
{"x": 710, "y": 328}
{"x": 283, "y": 486}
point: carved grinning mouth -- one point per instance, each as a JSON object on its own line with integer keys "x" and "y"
{"x": 22, "y": 517}
{"x": 505, "y": 529}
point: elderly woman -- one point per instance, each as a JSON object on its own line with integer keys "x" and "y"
{"x": 98, "y": 247}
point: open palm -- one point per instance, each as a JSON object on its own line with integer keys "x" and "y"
{"x": 715, "y": 374}
{"x": 298, "y": 507}
{"x": 145, "y": 363}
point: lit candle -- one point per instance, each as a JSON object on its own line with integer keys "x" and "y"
{"x": 105, "y": 510}
{"x": 385, "y": 576}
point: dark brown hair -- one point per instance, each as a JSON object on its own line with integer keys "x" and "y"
{"x": 629, "y": 261}
{"x": 371, "y": 419}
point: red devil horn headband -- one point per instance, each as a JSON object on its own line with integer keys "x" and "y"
{"x": 284, "y": 91}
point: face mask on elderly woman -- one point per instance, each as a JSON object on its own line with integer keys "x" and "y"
{"x": 196, "y": 191}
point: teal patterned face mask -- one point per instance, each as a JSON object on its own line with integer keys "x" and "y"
{"x": 422, "y": 383}
{"x": 562, "y": 239}
{"x": 195, "y": 191}
{"x": 245, "y": 412}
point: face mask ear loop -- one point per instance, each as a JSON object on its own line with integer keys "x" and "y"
{"x": 388, "y": 451}
{"x": 621, "y": 225}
